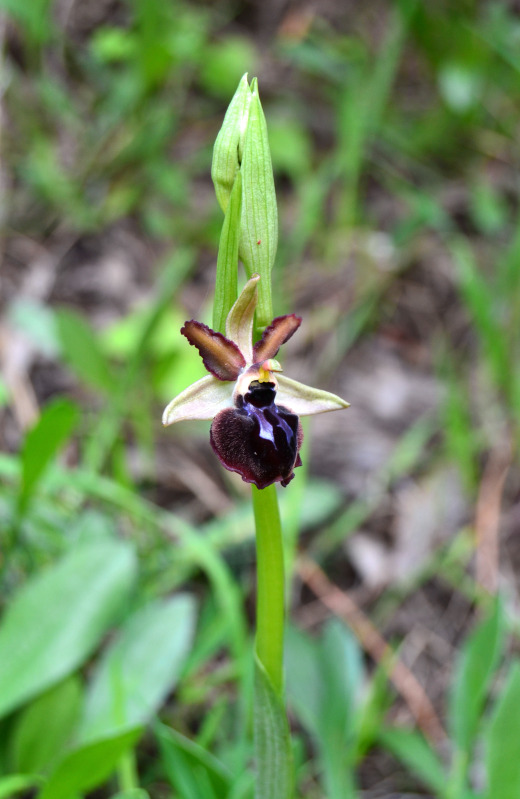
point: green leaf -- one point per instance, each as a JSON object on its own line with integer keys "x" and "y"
{"x": 88, "y": 766}
{"x": 191, "y": 770}
{"x": 140, "y": 668}
{"x": 82, "y": 351}
{"x": 134, "y": 793}
{"x": 45, "y": 726}
{"x": 324, "y": 678}
{"x": 342, "y": 672}
{"x": 58, "y": 618}
{"x": 272, "y": 741}
{"x": 226, "y": 290}
{"x": 414, "y": 752}
{"x": 503, "y": 741}
{"x": 473, "y": 674}
{"x": 304, "y": 678}
{"x": 478, "y": 295}
{"x": 259, "y": 235}
{"x": 41, "y": 444}
{"x": 18, "y": 783}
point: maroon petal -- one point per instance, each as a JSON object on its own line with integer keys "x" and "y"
{"x": 259, "y": 440}
{"x": 220, "y": 356}
{"x": 279, "y": 331}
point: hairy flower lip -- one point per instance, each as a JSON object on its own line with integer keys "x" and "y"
{"x": 254, "y": 409}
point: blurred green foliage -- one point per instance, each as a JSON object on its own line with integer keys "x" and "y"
{"x": 110, "y": 119}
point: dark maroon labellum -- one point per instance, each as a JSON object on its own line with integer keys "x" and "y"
{"x": 258, "y": 439}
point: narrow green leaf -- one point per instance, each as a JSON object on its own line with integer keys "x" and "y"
{"x": 135, "y": 793}
{"x": 227, "y": 153}
{"x": 259, "y": 235}
{"x": 473, "y": 674}
{"x": 42, "y": 442}
{"x": 414, "y": 752}
{"x": 88, "y": 766}
{"x": 304, "y": 679}
{"x": 82, "y": 351}
{"x": 272, "y": 741}
{"x": 503, "y": 741}
{"x": 188, "y": 764}
{"x": 324, "y": 678}
{"x": 58, "y": 618}
{"x": 343, "y": 675}
{"x": 45, "y": 727}
{"x": 478, "y": 296}
{"x": 226, "y": 283}
{"x": 140, "y": 668}
{"x": 18, "y": 783}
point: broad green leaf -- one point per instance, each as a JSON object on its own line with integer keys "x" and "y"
{"x": 191, "y": 769}
{"x": 135, "y": 793}
{"x": 259, "y": 236}
{"x": 411, "y": 749}
{"x": 58, "y": 618}
{"x": 342, "y": 672}
{"x": 88, "y": 766}
{"x": 272, "y": 741}
{"x": 503, "y": 741}
{"x": 140, "y": 668}
{"x": 473, "y": 674}
{"x": 18, "y": 783}
{"x": 42, "y": 442}
{"x": 45, "y": 727}
{"x": 82, "y": 351}
{"x": 325, "y": 681}
{"x": 304, "y": 678}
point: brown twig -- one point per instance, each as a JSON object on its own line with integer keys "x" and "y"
{"x": 341, "y": 604}
{"x": 487, "y": 517}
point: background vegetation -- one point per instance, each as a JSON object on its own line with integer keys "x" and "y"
{"x": 126, "y": 553}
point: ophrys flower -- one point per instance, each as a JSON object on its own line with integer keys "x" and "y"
{"x": 255, "y": 430}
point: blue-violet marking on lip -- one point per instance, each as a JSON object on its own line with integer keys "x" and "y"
{"x": 254, "y": 409}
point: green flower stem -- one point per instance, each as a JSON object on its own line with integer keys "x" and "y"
{"x": 270, "y": 606}
{"x": 127, "y": 772}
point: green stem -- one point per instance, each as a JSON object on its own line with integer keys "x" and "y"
{"x": 270, "y": 607}
{"x": 127, "y": 772}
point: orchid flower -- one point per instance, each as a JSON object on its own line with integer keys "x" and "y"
{"x": 255, "y": 429}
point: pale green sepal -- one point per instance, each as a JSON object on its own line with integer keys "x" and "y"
{"x": 259, "y": 234}
{"x": 202, "y": 400}
{"x": 239, "y": 324}
{"x": 227, "y": 152}
{"x": 274, "y": 768}
{"x": 304, "y": 400}
{"x": 226, "y": 288}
